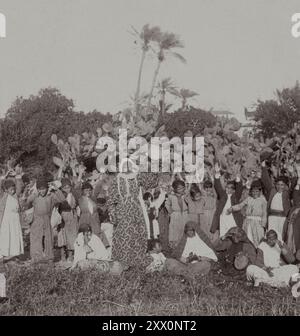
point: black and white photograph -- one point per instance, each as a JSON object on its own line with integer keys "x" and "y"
{"x": 149, "y": 160}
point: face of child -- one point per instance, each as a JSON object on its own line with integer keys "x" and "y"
{"x": 190, "y": 233}
{"x": 197, "y": 197}
{"x": 157, "y": 248}
{"x": 272, "y": 239}
{"x": 43, "y": 191}
{"x": 66, "y": 189}
{"x": 180, "y": 190}
{"x": 87, "y": 236}
{"x": 11, "y": 190}
{"x": 87, "y": 192}
{"x": 256, "y": 193}
{"x": 230, "y": 189}
{"x": 280, "y": 186}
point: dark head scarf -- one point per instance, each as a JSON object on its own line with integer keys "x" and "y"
{"x": 42, "y": 184}
{"x": 65, "y": 182}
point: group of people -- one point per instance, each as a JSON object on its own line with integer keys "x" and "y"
{"x": 156, "y": 221}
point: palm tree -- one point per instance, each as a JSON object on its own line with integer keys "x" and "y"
{"x": 166, "y": 43}
{"x": 164, "y": 86}
{"x": 146, "y": 36}
{"x": 184, "y": 95}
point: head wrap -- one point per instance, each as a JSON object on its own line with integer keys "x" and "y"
{"x": 86, "y": 185}
{"x": 8, "y": 184}
{"x": 41, "y": 183}
{"x": 65, "y": 182}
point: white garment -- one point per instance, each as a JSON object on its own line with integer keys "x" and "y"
{"x": 107, "y": 228}
{"x": 276, "y": 203}
{"x": 90, "y": 206}
{"x": 157, "y": 263}
{"x": 226, "y": 221}
{"x": 11, "y": 239}
{"x": 145, "y": 213}
{"x": 281, "y": 275}
{"x": 276, "y": 223}
{"x": 2, "y": 285}
{"x": 198, "y": 247}
{"x": 271, "y": 254}
{"x": 99, "y": 250}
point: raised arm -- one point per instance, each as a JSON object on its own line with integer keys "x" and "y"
{"x": 217, "y": 183}
{"x": 238, "y": 207}
{"x": 265, "y": 179}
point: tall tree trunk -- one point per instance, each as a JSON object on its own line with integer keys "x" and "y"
{"x": 138, "y": 88}
{"x": 163, "y": 103}
{"x": 183, "y": 103}
{"x": 153, "y": 85}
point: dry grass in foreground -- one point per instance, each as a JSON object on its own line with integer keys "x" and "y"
{"x": 41, "y": 290}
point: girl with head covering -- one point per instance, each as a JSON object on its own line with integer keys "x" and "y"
{"x": 88, "y": 248}
{"x": 194, "y": 245}
{"x": 11, "y": 240}
{"x": 256, "y": 213}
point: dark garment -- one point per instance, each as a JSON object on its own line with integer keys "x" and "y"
{"x": 221, "y": 202}
{"x": 163, "y": 222}
{"x": 227, "y": 251}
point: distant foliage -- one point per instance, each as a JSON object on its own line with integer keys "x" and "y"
{"x": 29, "y": 123}
{"x": 277, "y": 116}
{"x": 194, "y": 120}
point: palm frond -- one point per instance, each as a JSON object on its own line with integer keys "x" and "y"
{"x": 179, "y": 57}
{"x": 186, "y": 93}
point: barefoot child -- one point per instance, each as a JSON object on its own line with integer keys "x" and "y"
{"x": 43, "y": 203}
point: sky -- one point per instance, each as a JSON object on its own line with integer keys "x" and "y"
{"x": 237, "y": 51}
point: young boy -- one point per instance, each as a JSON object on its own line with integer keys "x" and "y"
{"x": 41, "y": 230}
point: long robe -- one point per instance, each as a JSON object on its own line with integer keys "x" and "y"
{"x": 11, "y": 239}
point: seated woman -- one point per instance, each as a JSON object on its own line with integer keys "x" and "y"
{"x": 89, "y": 250}
{"x": 231, "y": 248}
{"x": 272, "y": 264}
{"x": 195, "y": 248}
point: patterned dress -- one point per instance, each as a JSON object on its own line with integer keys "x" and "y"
{"x": 129, "y": 244}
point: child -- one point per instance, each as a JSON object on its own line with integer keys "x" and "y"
{"x": 209, "y": 208}
{"x": 11, "y": 239}
{"x": 89, "y": 212}
{"x": 155, "y": 250}
{"x": 152, "y": 215}
{"x": 256, "y": 213}
{"x": 106, "y": 226}
{"x": 43, "y": 203}
{"x": 69, "y": 226}
{"x": 195, "y": 203}
{"x": 88, "y": 247}
{"x": 278, "y": 197}
{"x": 223, "y": 221}
{"x": 178, "y": 211}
